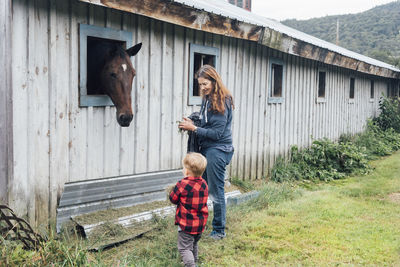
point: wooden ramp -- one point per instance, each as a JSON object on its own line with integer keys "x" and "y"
{"x": 113, "y": 192}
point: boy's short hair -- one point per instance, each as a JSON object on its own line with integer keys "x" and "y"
{"x": 196, "y": 163}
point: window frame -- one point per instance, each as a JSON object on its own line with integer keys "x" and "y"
{"x": 273, "y": 99}
{"x": 321, "y": 99}
{"x": 86, "y": 31}
{"x": 199, "y": 49}
{"x": 372, "y": 91}
{"x": 351, "y": 99}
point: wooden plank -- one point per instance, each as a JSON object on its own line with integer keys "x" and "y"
{"x": 179, "y": 65}
{"x": 142, "y": 96}
{"x": 256, "y": 147}
{"x": 287, "y": 107}
{"x": 112, "y": 130}
{"x": 262, "y": 111}
{"x": 240, "y": 130}
{"x": 186, "y": 108}
{"x": 38, "y": 113}
{"x": 246, "y": 114}
{"x": 78, "y": 117}
{"x": 127, "y": 140}
{"x": 168, "y": 127}
{"x": 19, "y": 186}
{"x": 226, "y": 57}
{"x": 283, "y": 110}
{"x": 252, "y": 114}
{"x": 96, "y": 119}
{"x": 59, "y": 79}
{"x": 154, "y": 101}
{"x": 6, "y": 134}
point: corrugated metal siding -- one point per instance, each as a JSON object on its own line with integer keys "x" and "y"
{"x": 56, "y": 141}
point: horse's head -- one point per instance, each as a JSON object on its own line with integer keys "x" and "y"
{"x": 116, "y": 79}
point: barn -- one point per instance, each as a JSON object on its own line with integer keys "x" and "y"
{"x": 288, "y": 87}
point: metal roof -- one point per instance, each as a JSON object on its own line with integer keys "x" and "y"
{"x": 220, "y": 17}
{"x": 225, "y": 9}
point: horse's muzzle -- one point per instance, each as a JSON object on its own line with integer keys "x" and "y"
{"x": 124, "y": 119}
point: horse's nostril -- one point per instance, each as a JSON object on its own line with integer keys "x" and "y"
{"x": 125, "y": 118}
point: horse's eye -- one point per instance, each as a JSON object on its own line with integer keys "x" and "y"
{"x": 114, "y": 75}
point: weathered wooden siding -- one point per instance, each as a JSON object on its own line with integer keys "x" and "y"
{"x": 56, "y": 141}
{"x": 5, "y": 99}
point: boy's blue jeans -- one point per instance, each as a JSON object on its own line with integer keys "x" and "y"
{"x": 217, "y": 160}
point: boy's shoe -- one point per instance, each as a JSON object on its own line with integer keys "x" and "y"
{"x": 217, "y": 236}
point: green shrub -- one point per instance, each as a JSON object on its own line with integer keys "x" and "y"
{"x": 327, "y": 160}
{"x": 324, "y": 160}
{"x": 389, "y": 117}
{"x": 377, "y": 142}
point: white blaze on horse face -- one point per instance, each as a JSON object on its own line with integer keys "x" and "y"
{"x": 124, "y": 67}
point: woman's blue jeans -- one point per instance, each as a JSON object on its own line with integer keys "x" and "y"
{"x": 217, "y": 160}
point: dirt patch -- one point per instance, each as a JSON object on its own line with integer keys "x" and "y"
{"x": 395, "y": 198}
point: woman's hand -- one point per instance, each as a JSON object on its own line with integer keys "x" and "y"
{"x": 187, "y": 124}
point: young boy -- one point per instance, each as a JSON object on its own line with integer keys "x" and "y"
{"x": 190, "y": 195}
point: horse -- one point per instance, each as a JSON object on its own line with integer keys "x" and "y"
{"x": 110, "y": 72}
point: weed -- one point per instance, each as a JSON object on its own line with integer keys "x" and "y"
{"x": 244, "y": 185}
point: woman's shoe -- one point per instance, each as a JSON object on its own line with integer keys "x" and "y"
{"x": 216, "y": 235}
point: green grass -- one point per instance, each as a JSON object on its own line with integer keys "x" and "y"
{"x": 344, "y": 222}
{"x": 350, "y": 221}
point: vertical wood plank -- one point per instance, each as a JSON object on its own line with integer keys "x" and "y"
{"x": 6, "y": 115}
{"x": 78, "y": 117}
{"x": 179, "y": 63}
{"x": 256, "y": 147}
{"x": 20, "y": 192}
{"x": 38, "y": 112}
{"x": 168, "y": 127}
{"x": 142, "y": 96}
{"x": 59, "y": 80}
{"x": 154, "y": 100}
{"x": 96, "y": 119}
{"x": 127, "y": 134}
{"x": 112, "y": 130}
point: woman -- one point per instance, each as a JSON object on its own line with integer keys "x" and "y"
{"x": 215, "y": 139}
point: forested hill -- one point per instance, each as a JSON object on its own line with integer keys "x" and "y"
{"x": 375, "y": 32}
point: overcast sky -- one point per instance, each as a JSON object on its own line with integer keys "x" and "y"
{"x": 305, "y": 9}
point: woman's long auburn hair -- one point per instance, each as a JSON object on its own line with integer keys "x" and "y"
{"x": 219, "y": 92}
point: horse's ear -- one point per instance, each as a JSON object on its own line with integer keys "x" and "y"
{"x": 134, "y": 50}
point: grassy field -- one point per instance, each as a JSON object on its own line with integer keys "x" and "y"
{"x": 354, "y": 221}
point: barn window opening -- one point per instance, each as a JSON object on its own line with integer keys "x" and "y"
{"x": 277, "y": 71}
{"x": 372, "y": 90}
{"x": 276, "y": 81}
{"x": 352, "y": 81}
{"x": 90, "y": 93}
{"x": 92, "y": 85}
{"x": 200, "y": 55}
{"x": 321, "y": 84}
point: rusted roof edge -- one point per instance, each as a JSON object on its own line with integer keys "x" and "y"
{"x": 194, "y": 18}
{"x": 179, "y": 14}
{"x": 293, "y": 46}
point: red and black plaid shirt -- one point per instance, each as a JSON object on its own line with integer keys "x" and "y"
{"x": 191, "y": 194}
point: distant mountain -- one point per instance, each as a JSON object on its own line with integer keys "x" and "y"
{"x": 374, "y": 33}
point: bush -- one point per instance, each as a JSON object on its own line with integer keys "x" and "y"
{"x": 377, "y": 142}
{"x": 324, "y": 160}
{"x": 389, "y": 118}
{"x": 327, "y": 160}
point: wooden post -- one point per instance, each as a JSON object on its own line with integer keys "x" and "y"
{"x": 5, "y": 100}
